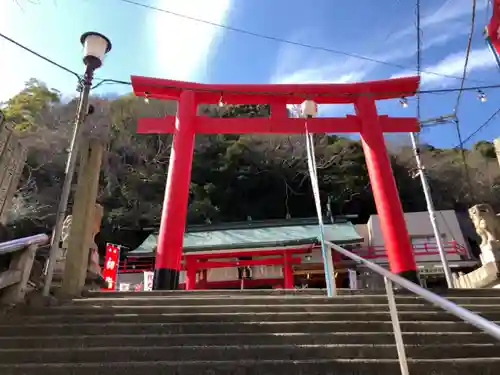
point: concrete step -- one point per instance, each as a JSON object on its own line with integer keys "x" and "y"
{"x": 268, "y": 300}
{"x": 97, "y": 328}
{"x": 87, "y": 309}
{"x": 238, "y": 352}
{"x": 297, "y": 292}
{"x": 165, "y": 340}
{"x": 481, "y": 366}
{"x": 219, "y": 292}
{"x": 105, "y": 317}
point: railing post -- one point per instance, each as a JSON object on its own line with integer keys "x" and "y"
{"x": 398, "y": 336}
{"x": 21, "y": 262}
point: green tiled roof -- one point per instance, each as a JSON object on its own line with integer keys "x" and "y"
{"x": 258, "y": 237}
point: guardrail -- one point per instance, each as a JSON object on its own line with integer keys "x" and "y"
{"x": 419, "y": 250}
{"x": 483, "y": 324}
{"x": 14, "y": 279}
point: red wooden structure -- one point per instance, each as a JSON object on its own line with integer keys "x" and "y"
{"x": 197, "y": 264}
{"x": 367, "y": 122}
{"x": 493, "y": 28}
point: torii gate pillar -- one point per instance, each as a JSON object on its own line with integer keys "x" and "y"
{"x": 385, "y": 193}
{"x": 174, "y": 212}
{"x": 367, "y": 123}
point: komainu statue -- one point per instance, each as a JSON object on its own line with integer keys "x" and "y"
{"x": 487, "y": 225}
{"x": 93, "y": 268}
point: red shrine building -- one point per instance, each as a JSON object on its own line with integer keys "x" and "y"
{"x": 286, "y": 254}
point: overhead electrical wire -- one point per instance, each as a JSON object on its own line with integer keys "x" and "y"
{"x": 281, "y": 40}
{"x": 467, "y": 55}
{"x": 459, "y": 97}
{"x": 128, "y": 83}
{"x": 40, "y": 56}
{"x": 390, "y": 32}
{"x": 419, "y": 55}
{"x": 461, "y": 142}
{"x": 479, "y": 128}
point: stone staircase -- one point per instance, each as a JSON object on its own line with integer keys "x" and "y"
{"x": 248, "y": 332}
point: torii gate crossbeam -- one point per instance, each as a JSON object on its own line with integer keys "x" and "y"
{"x": 366, "y": 122}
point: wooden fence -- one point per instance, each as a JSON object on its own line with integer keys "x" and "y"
{"x": 12, "y": 159}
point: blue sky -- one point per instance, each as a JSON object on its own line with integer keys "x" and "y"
{"x": 152, "y": 43}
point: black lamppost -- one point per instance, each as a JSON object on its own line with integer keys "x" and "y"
{"x": 95, "y": 47}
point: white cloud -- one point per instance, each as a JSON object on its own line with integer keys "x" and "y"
{"x": 326, "y": 74}
{"x": 453, "y": 65}
{"x": 452, "y": 10}
{"x": 183, "y": 45}
{"x": 440, "y": 26}
{"x": 441, "y": 18}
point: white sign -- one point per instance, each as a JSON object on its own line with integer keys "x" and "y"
{"x": 124, "y": 287}
{"x": 353, "y": 279}
{"x": 148, "y": 281}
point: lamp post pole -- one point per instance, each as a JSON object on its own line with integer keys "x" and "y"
{"x": 95, "y": 48}
{"x": 430, "y": 204}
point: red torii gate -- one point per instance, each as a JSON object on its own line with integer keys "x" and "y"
{"x": 493, "y": 27}
{"x": 186, "y": 124}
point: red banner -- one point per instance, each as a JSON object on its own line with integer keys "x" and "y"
{"x": 110, "y": 269}
{"x": 494, "y": 26}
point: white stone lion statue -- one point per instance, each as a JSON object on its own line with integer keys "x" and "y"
{"x": 486, "y": 222}
{"x": 93, "y": 270}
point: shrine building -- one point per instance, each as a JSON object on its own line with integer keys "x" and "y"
{"x": 287, "y": 254}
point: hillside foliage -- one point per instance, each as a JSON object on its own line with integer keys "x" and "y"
{"x": 234, "y": 177}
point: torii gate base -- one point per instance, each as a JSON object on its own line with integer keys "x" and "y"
{"x": 367, "y": 122}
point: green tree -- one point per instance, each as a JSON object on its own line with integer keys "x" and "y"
{"x": 486, "y": 149}
{"x": 29, "y": 109}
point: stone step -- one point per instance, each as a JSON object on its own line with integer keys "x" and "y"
{"x": 87, "y": 309}
{"x": 165, "y": 340}
{"x": 481, "y": 366}
{"x": 238, "y": 352}
{"x": 268, "y": 300}
{"x": 97, "y": 328}
{"x": 298, "y": 292}
{"x": 220, "y": 292}
{"x": 105, "y": 317}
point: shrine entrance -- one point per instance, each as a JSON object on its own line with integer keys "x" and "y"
{"x": 366, "y": 122}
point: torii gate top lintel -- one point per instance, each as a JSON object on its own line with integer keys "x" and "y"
{"x": 277, "y": 96}
{"x": 328, "y": 93}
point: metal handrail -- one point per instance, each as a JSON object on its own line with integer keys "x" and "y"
{"x": 22, "y": 243}
{"x": 389, "y": 278}
{"x": 478, "y": 321}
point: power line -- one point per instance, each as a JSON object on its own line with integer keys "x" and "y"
{"x": 473, "y": 134}
{"x": 459, "y": 96}
{"x": 391, "y": 32}
{"x": 480, "y": 128}
{"x": 280, "y": 40}
{"x": 426, "y": 189}
{"x": 123, "y": 82}
{"x": 395, "y": 93}
{"x": 50, "y": 61}
{"x": 467, "y": 55}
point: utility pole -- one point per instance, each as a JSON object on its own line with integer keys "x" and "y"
{"x": 95, "y": 48}
{"x": 420, "y": 166}
{"x": 429, "y": 201}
